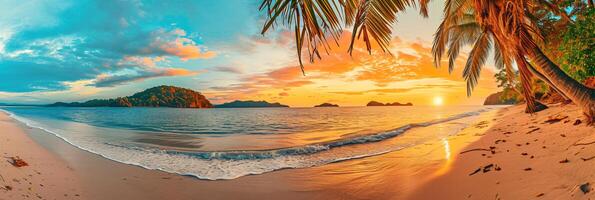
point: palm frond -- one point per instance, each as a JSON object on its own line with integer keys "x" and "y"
{"x": 453, "y": 52}
{"x": 463, "y": 34}
{"x": 457, "y": 13}
{"x": 452, "y": 7}
{"x": 477, "y": 58}
{"x": 502, "y": 59}
{"x": 312, "y": 21}
{"x": 440, "y": 42}
{"x": 349, "y": 10}
{"x": 423, "y": 7}
{"x": 555, "y": 9}
{"x": 373, "y": 21}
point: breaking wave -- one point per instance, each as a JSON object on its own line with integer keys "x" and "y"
{"x": 215, "y": 165}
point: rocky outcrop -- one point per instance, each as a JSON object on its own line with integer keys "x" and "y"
{"x": 161, "y": 96}
{"x": 398, "y": 104}
{"x": 375, "y": 103}
{"x": 327, "y": 105}
{"x": 496, "y": 99}
{"x": 250, "y": 104}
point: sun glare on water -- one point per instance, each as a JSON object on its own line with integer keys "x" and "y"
{"x": 438, "y": 101}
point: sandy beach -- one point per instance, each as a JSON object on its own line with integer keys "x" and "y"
{"x": 47, "y": 176}
{"x": 548, "y": 155}
{"x": 294, "y": 100}
{"x": 520, "y": 156}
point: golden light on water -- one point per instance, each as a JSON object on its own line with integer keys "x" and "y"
{"x": 438, "y": 101}
{"x": 447, "y": 158}
{"x": 446, "y": 149}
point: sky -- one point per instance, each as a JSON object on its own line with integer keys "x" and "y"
{"x": 77, "y": 50}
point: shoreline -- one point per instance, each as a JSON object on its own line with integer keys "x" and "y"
{"x": 47, "y": 175}
{"x": 101, "y": 178}
{"x": 546, "y": 155}
{"x": 381, "y": 142}
{"x": 400, "y": 174}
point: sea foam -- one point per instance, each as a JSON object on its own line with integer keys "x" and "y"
{"x": 214, "y": 165}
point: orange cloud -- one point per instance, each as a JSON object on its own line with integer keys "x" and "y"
{"x": 177, "y": 44}
{"x": 383, "y": 73}
{"x": 285, "y": 73}
{"x": 407, "y": 57}
{"x": 185, "y": 50}
{"x": 175, "y": 72}
{"x": 356, "y": 79}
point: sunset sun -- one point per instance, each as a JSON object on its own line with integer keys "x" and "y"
{"x": 438, "y": 101}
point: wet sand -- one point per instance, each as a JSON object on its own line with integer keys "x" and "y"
{"x": 47, "y": 176}
{"x": 548, "y": 155}
{"x": 420, "y": 172}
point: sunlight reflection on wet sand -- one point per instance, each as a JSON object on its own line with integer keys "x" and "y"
{"x": 388, "y": 176}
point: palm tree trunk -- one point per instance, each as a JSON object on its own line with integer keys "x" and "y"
{"x": 547, "y": 81}
{"x": 577, "y": 92}
{"x": 532, "y": 104}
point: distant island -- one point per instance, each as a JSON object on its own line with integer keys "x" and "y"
{"x": 496, "y": 99}
{"x": 161, "y": 96}
{"x": 375, "y": 103}
{"x": 166, "y": 96}
{"x": 250, "y": 104}
{"x": 327, "y": 105}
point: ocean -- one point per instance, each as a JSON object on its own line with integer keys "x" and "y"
{"x": 229, "y": 143}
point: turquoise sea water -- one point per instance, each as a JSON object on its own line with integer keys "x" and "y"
{"x": 230, "y": 143}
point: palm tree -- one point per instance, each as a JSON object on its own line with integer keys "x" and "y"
{"x": 510, "y": 25}
{"x": 459, "y": 28}
{"x": 505, "y": 25}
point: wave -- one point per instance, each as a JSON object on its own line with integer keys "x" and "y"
{"x": 311, "y": 148}
{"x": 213, "y": 165}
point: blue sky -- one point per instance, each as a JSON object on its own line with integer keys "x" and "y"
{"x": 52, "y": 42}
{"x": 61, "y": 50}
{"x": 46, "y": 44}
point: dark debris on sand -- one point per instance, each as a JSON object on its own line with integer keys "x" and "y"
{"x": 577, "y": 122}
{"x": 486, "y": 169}
{"x": 533, "y": 130}
{"x": 17, "y": 162}
{"x": 586, "y": 188}
{"x": 555, "y": 119}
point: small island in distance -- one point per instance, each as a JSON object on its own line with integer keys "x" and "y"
{"x": 375, "y": 103}
{"x": 327, "y": 105}
{"x": 166, "y": 96}
{"x": 250, "y": 104}
{"x": 177, "y": 97}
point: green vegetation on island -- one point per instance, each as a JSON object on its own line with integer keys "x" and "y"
{"x": 161, "y": 96}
